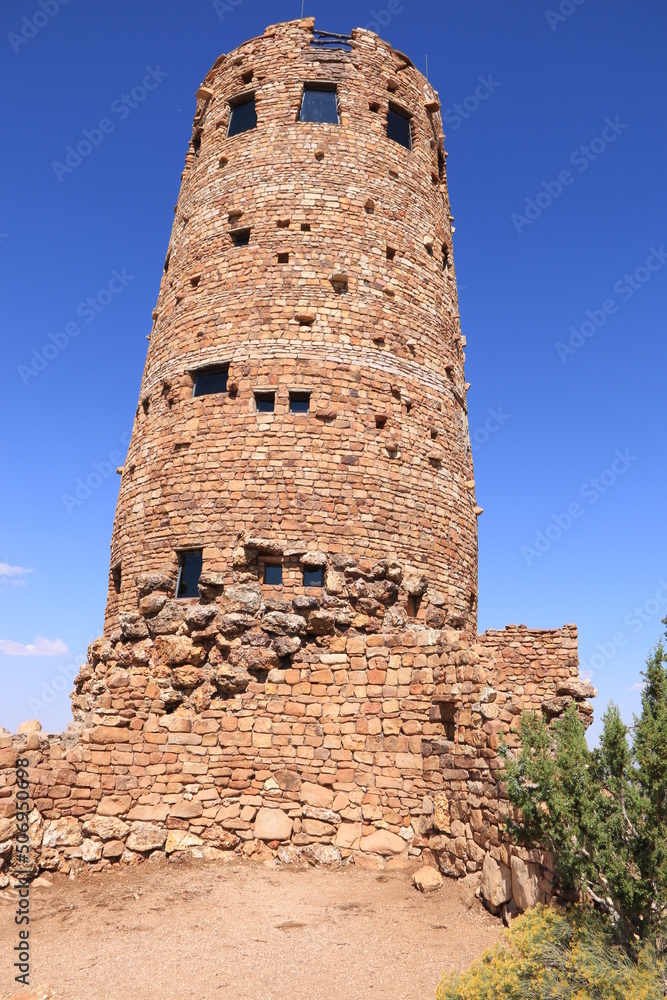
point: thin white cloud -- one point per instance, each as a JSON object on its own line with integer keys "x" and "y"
{"x": 639, "y": 686}
{"x": 13, "y": 575}
{"x": 40, "y": 647}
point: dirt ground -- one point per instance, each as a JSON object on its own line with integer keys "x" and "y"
{"x": 244, "y": 931}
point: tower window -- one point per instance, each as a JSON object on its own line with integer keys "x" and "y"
{"x": 189, "y": 571}
{"x": 240, "y": 237}
{"x": 313, "y": 576}
{"x": 210, "y": 381}
{"x": 398, "y": 127}
{"x": 283, "y": 258}
{"x": 243, "y": 117}
{"x": 265, "y": 402}
{"x": 319, "y": 104}
{"x": 445, "y": 257}
{"x": 273, "y": 575}
{"x": 299, "y": 402}
{"x": 116, "y": 577}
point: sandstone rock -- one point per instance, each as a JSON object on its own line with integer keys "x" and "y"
{"x": 113, "y": 849}
{"x": 114, "y": 805}
{"x": 151, "y": 604}
{"x": 32, "y": 726}
{"x": 288, "y": 781}
{"x": 146, "y": 837}
{"x": 316, "y": 795}
{"x": 230, "y": 679}
{"x": 427, "y": 879}
{"x": 173, "y": 650}
{"x": 416, "y": 584}
{"x": 168, "y": 620}
{"x": 108, "y": 734}
{"x": 524, "y": 885}
{"x": 64, "y": 832}
{"x": 186, "y": 809}
{"x": 272, "y": 824}
{"x": 274, "y": 621}
{"x": 313, "y": 558}
{"x": 369, "y": 862}
{"x": 286, "y": 645}
{"x": 91, "y": 850}
{"x": 496, "y": 884}
{"x": 179, "y": 840}
{"x": 149, "y": 814}
{"x": 133, "y": 626}
{"x": 148, "y": 582}
{"x": 322, "y": 854}
{"x": 188, "y": 676}
{"x": 348, "y": 836}
{"x": 199, "y": 616}
{"x": 441, "y": 818}
{"x": 6, "y": 848}
{"x": 243, "y": 599}
{"x": 576, "y": 688}
{"x": 106, "y": 827}
{"x": 254, "y": 658}
{"x": 383, "y": 842}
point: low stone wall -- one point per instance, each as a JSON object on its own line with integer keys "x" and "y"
{"x": 255, "y": 734}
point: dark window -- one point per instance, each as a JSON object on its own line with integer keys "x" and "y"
{"x": 398, "y": 128}
{"x": 189, "y": 571}
{"x": 445, "y": 257}
{"x": 116, "y": 577}
{"x": 273, "y": 574}
{"x": 283, "y": 258}
{"x": 414, "y": 603}
{"x": 313, "y": 576}
{"x": 448, "y": 719}
{"x": 243, "y": 117}
{"x": 265, "y": 402}
{"x": 299, "y": 402}
{"x": 209, "y": 382}
{"x": 319, "y": 105}
{"x": 240, "y": 237}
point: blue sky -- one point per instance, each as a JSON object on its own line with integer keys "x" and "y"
{"x": 554, "y": 119}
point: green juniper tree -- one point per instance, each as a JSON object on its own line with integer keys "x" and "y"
{"x": 603, "y": 812}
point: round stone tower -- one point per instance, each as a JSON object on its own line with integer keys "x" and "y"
{"x": 303, "y": 403}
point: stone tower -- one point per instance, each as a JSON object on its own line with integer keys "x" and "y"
{"x": 290, "y": 665}
{"x": 310, "y": 280}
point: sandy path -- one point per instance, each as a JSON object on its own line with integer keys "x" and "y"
{"x": 245, "y": 931}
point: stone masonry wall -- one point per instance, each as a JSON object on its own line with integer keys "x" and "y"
{"x": 279, "y": 732}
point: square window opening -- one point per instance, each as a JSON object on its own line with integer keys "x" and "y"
{"x": 319, "y": 104}
{"x": 391, "y": 253}
{"x": 448, "y": 719}
{"x": 283, "y": 258}
{"x": 210, "y": 381}
{"x": 305, "y": 227}
{"x": 313, "y": 576}
{"x": 243, "y": 117}
{"x": 414, "y": 603}
{"x": 273, "y": 574}
{"x": 299, "y": 402}
{"x": 240, "y": 237}
{"x": 399, "y": 128}
{"x": 189, "y": 571}
{"x": 265, "y": 402}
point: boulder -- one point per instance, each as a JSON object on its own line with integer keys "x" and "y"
{"x": 272, "y": 824}
{"x": 277, "y": 622}
{"x": 314, "y": 558}
{"x": 441, "y": 818}
{"x": 496, "y": 884}
{"x": 285, "y": 645}
{"x": 383, "y": 842}
{"x": 106, "y": 828}
{"x": 114, "y": 805}
{"x": 133, "y": 626}
{"x": 32, "y": 726}
{"x": 179, "y": 840}
{"x": 91, "y": 850}
{"x": 64, "y": 832}
{"x": 427, "y": 879}
{"x": 173, "y": 650}
{"x": 146, "y": 837}
{"x": 415, "y": 583}
{"x": 524, "y": 885}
